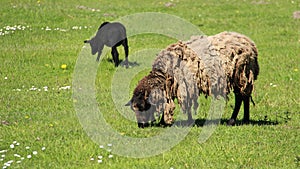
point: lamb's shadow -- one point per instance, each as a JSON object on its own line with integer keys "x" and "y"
{"x": 123, "y": 64}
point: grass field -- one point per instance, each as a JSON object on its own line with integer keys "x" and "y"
{"x": 39, "y": 127}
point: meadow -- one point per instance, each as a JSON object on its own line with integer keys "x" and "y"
{"x": 40, "y": 45}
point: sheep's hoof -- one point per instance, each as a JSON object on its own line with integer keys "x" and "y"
{"x": 142, "y": 125}
{"x": 152, "y": 123}
{"x": 231, "y": 122}
{"x": 246, "y": 121}
{"x": 164, "y": 124}
{"x": 190, "y": 122}
{"x": 126, "y": 64}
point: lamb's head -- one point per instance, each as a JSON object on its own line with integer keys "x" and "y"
{"x": 93, "y": 45}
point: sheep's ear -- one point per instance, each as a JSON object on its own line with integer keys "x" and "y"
{"x": 86, "y": 41}
{"x": 128, "y": 104}
{"x": 146, "y": 94}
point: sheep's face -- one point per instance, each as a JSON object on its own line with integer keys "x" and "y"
{"x": 144, "y": 118}
{"x": 93, "y": 45}
{"x": 140, "y": 102}
{"x": 144, "y": 111}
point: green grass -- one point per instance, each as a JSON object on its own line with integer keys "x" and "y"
{"x": 33, "y": 56}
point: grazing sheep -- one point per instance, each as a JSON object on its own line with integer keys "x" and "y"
{"x": 111, "y": 35}
{"x": 212, "y": 66}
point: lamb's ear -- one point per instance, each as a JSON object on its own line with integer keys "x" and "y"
{"x": 128, "y": 104}
{"x": 87, "y": 41}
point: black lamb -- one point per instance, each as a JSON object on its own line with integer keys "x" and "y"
{"x": 112, "y": 35}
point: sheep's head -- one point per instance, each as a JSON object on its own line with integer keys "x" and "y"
{"x": 93, "y": 45}
{"x": 144, "y": 110}
{"x": 147, "y": 99}
{"x": 139, "y": 101}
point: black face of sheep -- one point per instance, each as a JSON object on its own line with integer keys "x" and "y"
{"x": 144, "y": 111}
{"x": 111, "y": 35}
{"x": 140, "y": 103}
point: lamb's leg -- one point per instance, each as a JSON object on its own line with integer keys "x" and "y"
{"x": 98, "y": 57}
{"x": 246, "y": 101}
{"x": 238, "y": 102}
{"x": 99, "y": 52}
{"x": 115, "y": 55}
{"x": 125, "y": 45}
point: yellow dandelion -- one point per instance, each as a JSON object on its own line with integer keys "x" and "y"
{"x": 63, "y": 66}
{"x": 296, "y": 70}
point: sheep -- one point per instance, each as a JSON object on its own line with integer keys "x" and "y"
{"x": 208, "y": 65}
{"x": 111, "y": 35}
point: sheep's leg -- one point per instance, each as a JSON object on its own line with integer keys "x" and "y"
{"x": 237, "y": 106}
{"x": 162, "y": 120}
{"x": 167, "y": 116}
{"x": 190, "y": 119}
{"x": 196, "y": 105}
{"x": 246, "y": 101}
{"x": 115, "y": 55}
{"x": 152, "y": 119}
{"x": 125, "y": 45}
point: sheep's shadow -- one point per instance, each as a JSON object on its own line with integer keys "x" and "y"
{"x": 123, "y": 63}
{"x": 281, "y": 118}
{"x": 201, "y": 122}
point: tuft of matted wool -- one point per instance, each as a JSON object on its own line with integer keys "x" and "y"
{"x": 228, "y": 56}
{"x": 185, "y": 78}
